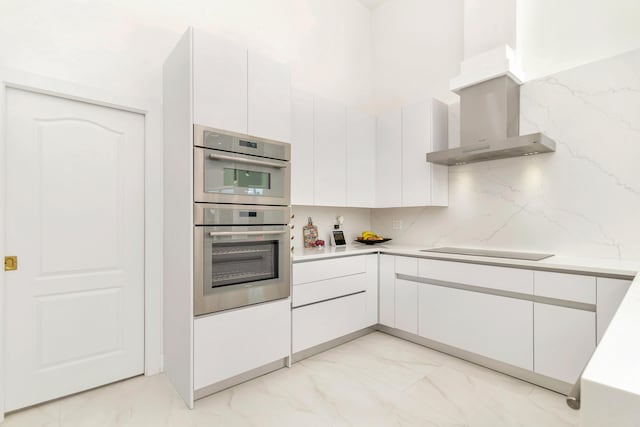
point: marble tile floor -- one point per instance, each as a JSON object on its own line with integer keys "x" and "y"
{"x": 376, "y": 380}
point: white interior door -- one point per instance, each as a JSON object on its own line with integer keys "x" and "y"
{"x": 75, "y": 219}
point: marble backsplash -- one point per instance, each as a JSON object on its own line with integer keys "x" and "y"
{"x": 356, "y": 220}
{"x": 582, "y": 200}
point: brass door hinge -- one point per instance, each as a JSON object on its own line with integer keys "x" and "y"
{"x": 10, "y": 263}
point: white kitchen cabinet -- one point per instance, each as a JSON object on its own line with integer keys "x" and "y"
{"x": 371, "y": 281}
{"x": 564, "y": 339}
{"x": 239, "y": 89}
{"x": 269, "y": 97}
{"x": 424, "y": 129}
{"x": 313, "y": 271}
{"x": 330, "y": 165}
{"x": 406, "y": 306}
{"x": 387, "y": 290}
{"x": 407, "y": 265}
{"x": 361, "y": 159}
{"x": 319, "y": 323}
{"x": 389, "y": 159}
{"x": 570, "y": 287}
{"x": 492, "y": 326}
{"x": 237, "y": 341}
{"x": 610, "y": 293}
{"x": 333, "y": 298}
{"x": 219, "y": 83}
{"x": 302, "y": 168}
{"x": 487, "y": 276}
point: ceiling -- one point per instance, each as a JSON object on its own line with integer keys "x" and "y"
{"x": 371, "y": 4}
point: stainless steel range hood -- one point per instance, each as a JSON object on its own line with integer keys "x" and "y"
{"x": 490, "y": 126}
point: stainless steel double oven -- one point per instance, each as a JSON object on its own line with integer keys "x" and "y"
{"x": 241, "y": 216}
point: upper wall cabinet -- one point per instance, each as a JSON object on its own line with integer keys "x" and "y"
{"x": 344, "y": 157}
{"x": 269, "y": 98}
{"x": 219, "y": 83}
{"x": 302, "y": 163}
{"x": 424, "y": 129}
{"x": 239, "y": 89}
{"x": 332, "y": 153}
{"x": 389, "y": 159}
{"x": 330, "y": 164}
{"x": 404, "y": 178}
{"x": 361, "y": 159}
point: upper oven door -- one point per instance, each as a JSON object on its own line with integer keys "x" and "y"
{"x": 234, "y": 168}
{"x": 224, "y": 177}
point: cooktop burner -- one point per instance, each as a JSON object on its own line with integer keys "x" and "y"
{"x": 527, "y": 256}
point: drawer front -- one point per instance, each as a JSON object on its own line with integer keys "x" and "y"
{"x": 238, "y": 341}
{"x": 314, "y": 271}
{"x": 407, "y": 265}
{"x": 308, "y": 293}
{"x": 492, "y": 326}
{"x": 318, "y": 323}
{"x": 570, "y": 287}
{"x": 486, "y": 276}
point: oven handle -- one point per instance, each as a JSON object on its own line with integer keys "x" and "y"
{"x": 245, "y": 233}
{"x": 247, "y": 161}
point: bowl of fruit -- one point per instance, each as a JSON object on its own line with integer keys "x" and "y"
{"x": 371, "y": 238}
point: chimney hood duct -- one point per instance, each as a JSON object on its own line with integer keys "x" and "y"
{"x": 490, "y": 126}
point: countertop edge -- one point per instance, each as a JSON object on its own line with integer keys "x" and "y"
{"x": 553, "y": 264}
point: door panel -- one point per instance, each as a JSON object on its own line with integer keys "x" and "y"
{"x": 75, "y": 218}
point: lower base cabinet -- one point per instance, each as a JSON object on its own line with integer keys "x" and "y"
{"x": 237, "y": 341}
{"x": 333, "y": 298}
{"x": 322, "y": 322}
{"x": 406, "y": 310}
{"x": 493, "y": 326}
{"x": 564, "y": 340}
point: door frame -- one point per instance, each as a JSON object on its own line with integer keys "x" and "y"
{"x": 152, "y": 111}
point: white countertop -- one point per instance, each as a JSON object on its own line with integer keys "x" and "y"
{"x": 595, "y": 266}
{"x": 611, "y": 380}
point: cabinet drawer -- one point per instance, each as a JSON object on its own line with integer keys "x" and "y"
{"x": 506, "y": 279}
{"x": 493, "y": 326}
{"x": 570, "y": 287}
{"x": 318, "y": 323}
{"x": 565, "y": 338}
{"x": 238, "y": 341}
{"x": 407, "y": 265}
{"x": 307, "y": 293}
{"x": 315, "y": 271}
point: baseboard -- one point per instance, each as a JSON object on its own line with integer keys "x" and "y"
{"x": 320, "y": 348}
{"x": 238, "y": 379}
{"x": 513, "y": 371}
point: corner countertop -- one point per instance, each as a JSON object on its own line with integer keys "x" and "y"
{"x": 595, "y": 266}
{"x": 611, "y": 380}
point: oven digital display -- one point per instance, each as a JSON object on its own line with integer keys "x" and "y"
{"x": 248, "y": 214}
{"x": 249, "y": 144}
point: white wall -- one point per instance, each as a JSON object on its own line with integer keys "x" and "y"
{"x": 120, "y": 45}
{"x": 417, "y": 48}
{"x": 488, "y": 24}
{"x": 555, "y": 35}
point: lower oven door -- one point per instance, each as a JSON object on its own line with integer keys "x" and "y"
{"x": 238, "y": 266}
